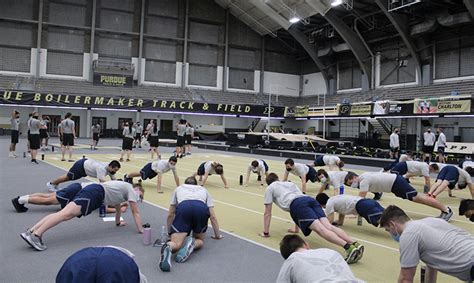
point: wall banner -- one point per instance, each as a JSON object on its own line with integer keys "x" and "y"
{"x": 442, "y": 105}
{"x": 113, "y": 80}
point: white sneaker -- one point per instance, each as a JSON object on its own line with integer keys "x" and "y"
{"x": 11, "y": 155}
{"x": 51, "y": 187}
{"x": 14, "y": 154}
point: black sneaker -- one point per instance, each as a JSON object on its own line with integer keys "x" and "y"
{"x": 34, "y": 161}
{"x": 127, "y": 179}
{"x": 378, "y": 196}
{"x": 18, "y": 206}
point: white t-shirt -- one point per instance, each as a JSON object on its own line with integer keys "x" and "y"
{"x": 404, "y": 157}
{"x": 376, "y": 182}
{"x": 300, "y": 170}
{"x": 282, "y": 193}
{"x": 162, "y": 166}
{"x": 191, "y": 192}
{"x": 419, "y": 168}
{"x": 394, "y": 141}
{"x": 208, "y": 168}
{"x": 97, "y": 169}
{"x": 467, "y": 163}
{"x": 319, "y": 265}
{"x": 440, "y": 245}
{"x": 336, "y": 178}
{"x": 442, "y": 140}
{"x": 429, "y": 139}
{"x": 343, "y": 204}
{"x": 117, "y": 192}
{"x": 260, "y": 169}
{"x": 331, "y": 159}
{"x": 464, "y": 177}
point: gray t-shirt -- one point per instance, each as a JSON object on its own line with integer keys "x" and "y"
{"x": 282, "y": 193}
{"x": 181, "y": 130}
{"x": 191, "y": 192}
{"x": 189, "y": 131}
{"x": 96, "y": 129}
{"x": 139, "y": 129}
{"x": 127, "y": 133}
{"x": 68, "y": 126}
{"x": 376, "y": 182}
{"x": 15, "y": 124}
{"x": 319, "y": 265}
{"x": 97, "y": 169}
{"x": 440, "y": 245}
{"x": 162, "y": 166}
{"x": 117, "y": 192}
{"x": 34, "y": 126}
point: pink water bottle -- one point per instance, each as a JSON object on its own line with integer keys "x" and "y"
{"x": 146, "y": 234}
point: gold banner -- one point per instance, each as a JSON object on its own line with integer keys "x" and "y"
{"x": 441, "y": 105}
{"x": 361, "y": 110}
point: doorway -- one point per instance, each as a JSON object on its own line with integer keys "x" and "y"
{"x": 166, "y": 125}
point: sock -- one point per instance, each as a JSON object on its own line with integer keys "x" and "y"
{"x": 24, "y": 199}
{"x": 347, "y": 246}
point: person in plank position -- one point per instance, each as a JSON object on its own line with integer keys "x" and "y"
{"x": 467, "y": 165}
{"x": 155, "y": 169}
{"x": 466, "y": 208}
{"x": 333, "y": 161}
{"x": 386, "y": 182}
{"x": 441, "y": 246}
{"x": 190, "y": 209}
{"x": 259, "y": 167}
{"x": 86, "y": 168}
{"x": 410, "y": 169}
{"x": 448, "y": 177}
{"x": 88, "y": 199}
{"x": 331, "y": 178}
{"x": 307, "y": 215}
{"x": 208, "y": 168}
{"x": 344, "y": 205}
{"x": 305, "y": 172}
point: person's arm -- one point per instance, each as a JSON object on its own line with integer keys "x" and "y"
{"x": 341, "y": 219}
{"x": 431, "y": 275}
{"x": 262, "y": 176}
{"x": 247, "y": 178}
{"x": 136, "y": 216}
{"x": 285, "y": 176}
{"x": 323, "y": 187}
{"x": 406, "y": 275}
{"x": 74, "y": 130}
{"x": 176, "y": 178}
{"x": 428, "y": 182}
{"x": 204, "y": 178}
{"x": 215, "y": 224}
{"x": 118, "y": 213}
{"x": 224, "y": 181}
{"x": 267, "y": 217}
{"x": 170, "y": 218}
{"x": 330, "y": 217}
{"x": 471, "y": 188}
{"x": 158, "y": 182}
{"x": 303, "y": 184}
{"x": 362, "y": 194}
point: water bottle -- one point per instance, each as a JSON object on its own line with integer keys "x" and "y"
{"x": 163, "y": 235}
{"x": 102, "y": 210}
{"x": 359, "y": 220}
{"x": 341, "y": 189}
{"x": 241, "y": 180}
{"x": 146, "y": 234}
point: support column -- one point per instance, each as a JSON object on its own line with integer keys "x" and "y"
{"x": 223, "y": 122}
{"x": 88, "y": 122}
{"x": 262, "y": 66}
{"x": 91, "y": 49}
{"x": 140, "y": 44}
{"x": 226, "y": 52}
{"x": 137, "y": 116}
{"x": 185, "y": 45}
{"x": 38, "y": 40}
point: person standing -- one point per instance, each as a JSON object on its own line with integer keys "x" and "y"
{"x": 441, "y": 145}
{"x": 441, "y": 246}
{"x": 95, "y": 135}
{"x": 429, "y": 140}
{"x": 153, "y": 139}
{"x": 127, "y": 142}
{"x": 138, "y": 135}
{"x": 15, "y": 132}
{"x": 394, "y": 144}
{"x": 180, "y": 131}
{"x": 34, "y": 126}
{"x": 44, "y": 136}
{"x": 68, "y": 133}
{"x": 189, "y": 138}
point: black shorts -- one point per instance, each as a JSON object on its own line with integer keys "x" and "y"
{"x": 394, "y": 149}
{"x": 35, "y": 141}
{"x": 127, "y": 144}
{"x": 441, "y": 150}
{"x": 95, "y": 136}
{"x": 68, "y": 139}
{"x": 14, "y": 136}
{"x": 180, "y": 141}
{"x": 44, "y": 134}
{"x": 138, "y": 137}
{"x": 428, "y": 149}
{"x": 154, "y": 141}
{"x": 188, "y": 139}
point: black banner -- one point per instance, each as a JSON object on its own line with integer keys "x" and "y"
{"x": 113, "y": 80}
{"x": 130, "y": 103}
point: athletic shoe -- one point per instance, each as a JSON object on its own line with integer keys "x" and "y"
{"x": 62, "y": 159}
{"x": 14, "y": 154}
{"x": 25, "y": 236}
{"x": 446, "y": 215}
{"x": 127, "y": 179}
{"x": 188, "y": 247}
{"x": 121, "y": 159}
{"x": 352, "y": 254}
{"x": 165, "y": 260}
{"x": 361, "y": 251}
{"x": 34, "y": 161}
{"x": 11, "y": 155}
{"x": 51, "y": 187}
{"x": 128, "y": 160}
{"x": 18, "y": 206}
{"x": 378, "y": 196}
{"x": 35, "y": 241}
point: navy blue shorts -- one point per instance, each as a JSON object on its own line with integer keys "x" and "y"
{"x": 389, "y": 167}
{"x": 401, "y": 168}
{"x": 371, "y": 210}
{"x": 265, "y": 165}
{"x": 402, "y": 189}
{"x": 461, "y": 162}
{"x": 191, "y": 215}
{"x": 77, "y": 170}
{"x": 89, "y": 198}
{"x": 450, "y": 174}
{"x": 303, "y": 211}
{"x": 102, "y": 264}
{"x": 311, "y": 175}
{"x": 319, "y": 161}
{"x": 201, "y": 171}
{"x": 67, "y": 194}
{"x": 441, "y": 150}
{"x": 147, "y": 172}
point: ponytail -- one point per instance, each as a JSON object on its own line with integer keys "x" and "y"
{"x": 155, "y": 128}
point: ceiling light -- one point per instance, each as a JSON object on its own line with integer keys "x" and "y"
{"x": 335, "y": 3}
{"x": 294, "y": 20}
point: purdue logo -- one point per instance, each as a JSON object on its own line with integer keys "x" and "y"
{"x": 345, "y": 109}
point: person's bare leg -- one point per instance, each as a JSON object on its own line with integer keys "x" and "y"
{"x": 199, "y": 240}
{"x": 152, "y": 153}
{"x": 134, "y": 174}
{"x": 43, "y": 199}
{"x": 63, "y": 152}
{"x": 430, "y": 202}
{"x": 34, "y": 152}
{"x": 122, "y": 154}
{"x": 70, "y": 152}
{"x": 59, "y": 180}
{"x": 440, "y": 188}
{"x": 339, "y": 232}
{"x": 327, "y": 234}
{"x": 70, "y": 211}
{"x": 177, "y": 240}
